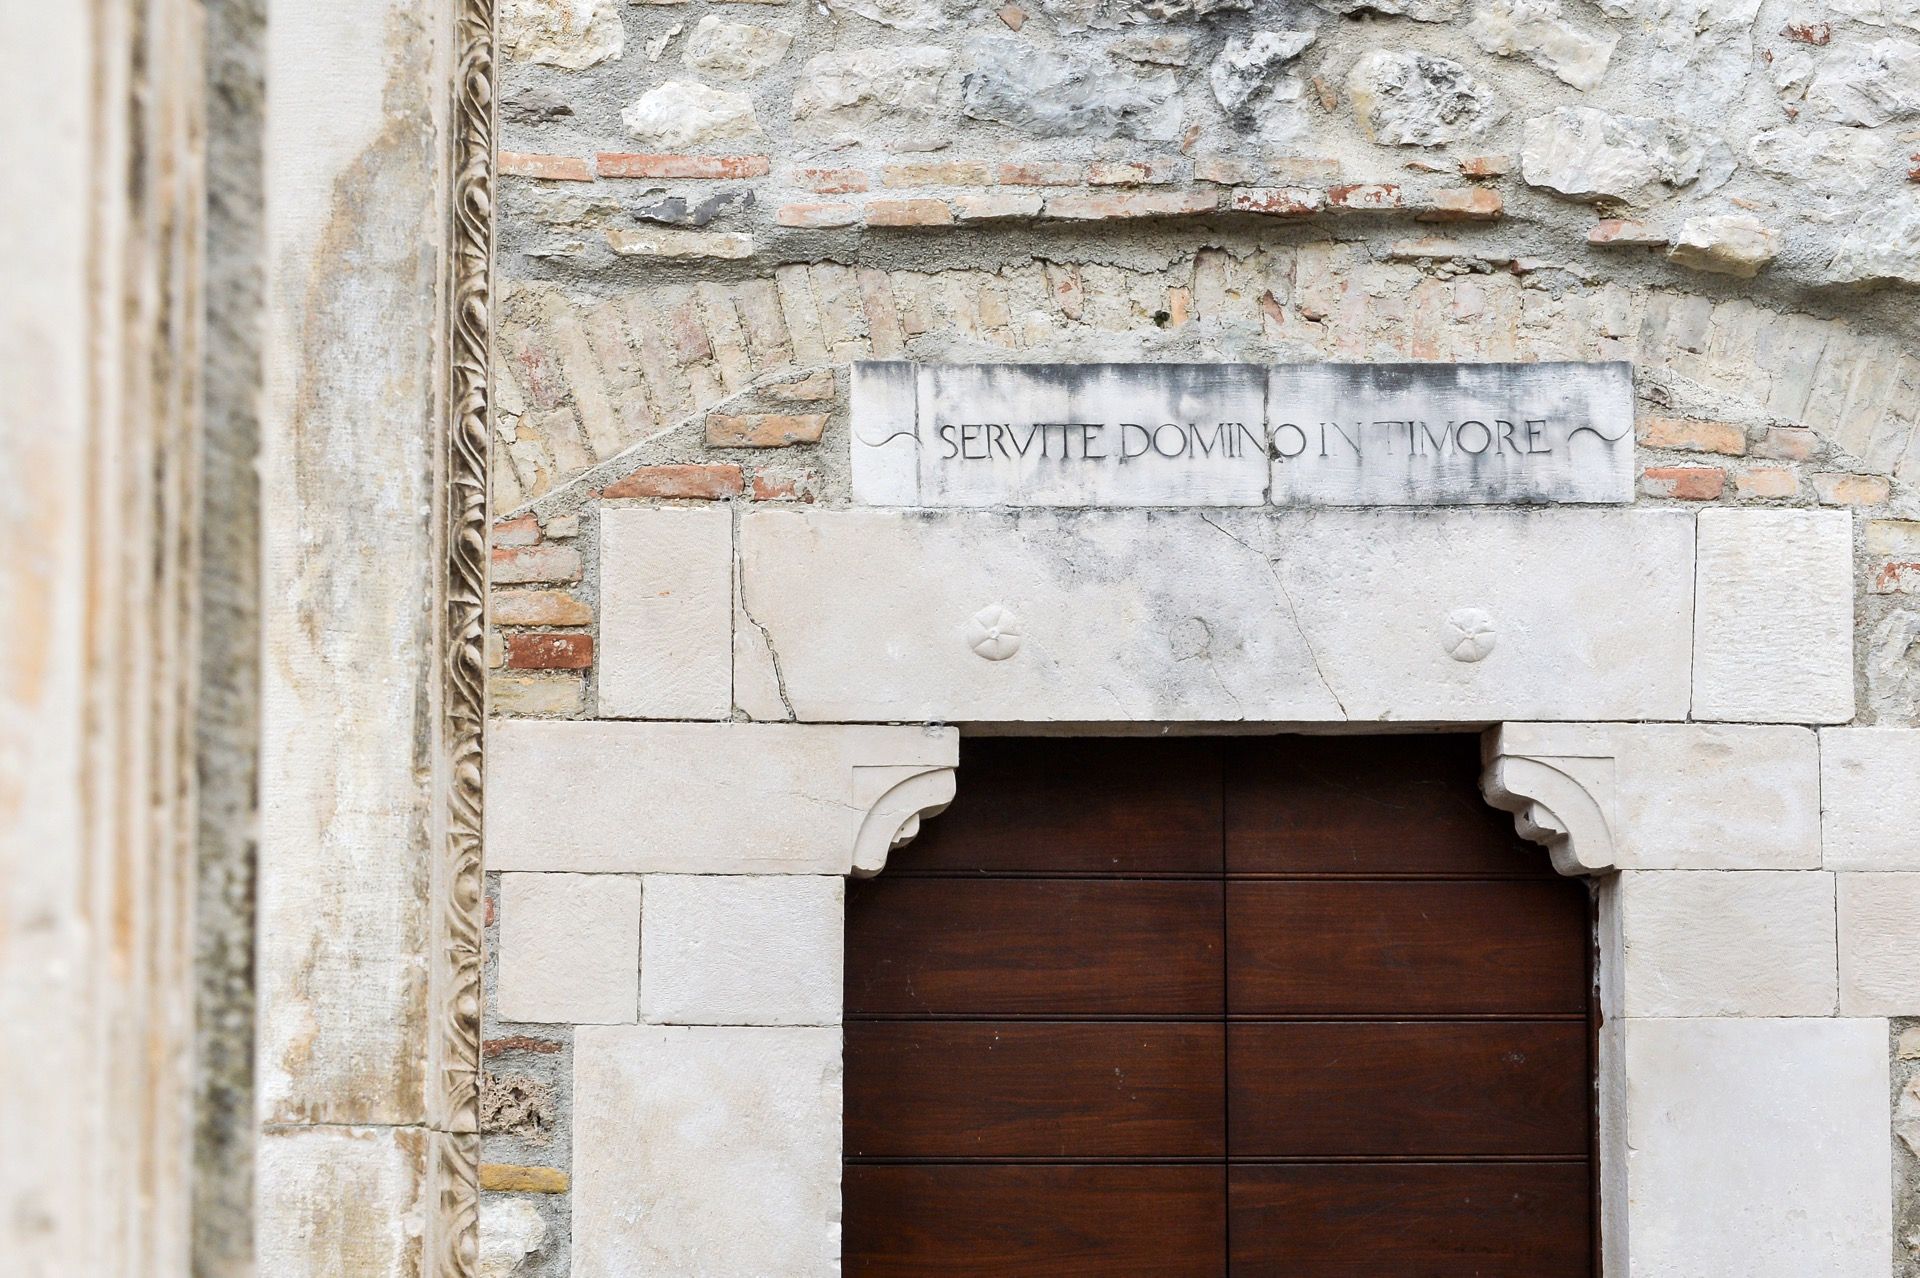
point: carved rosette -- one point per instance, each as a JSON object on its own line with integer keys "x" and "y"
{"x": 453, "y": 1246}
{"x": 1557, "y": 780}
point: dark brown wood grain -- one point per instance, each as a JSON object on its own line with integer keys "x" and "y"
{"x": 1368, "y": 805}
{"x": 1086, "y": 947}
{"x": 1367, "y": 1088}
{"x": 1026, "y": 1089}
{"x": 1406, "y": 948}
{"x": 1421, "y": 1220}
{"x": 1035, "y": 1221}
{"x": 1067, "y": 806}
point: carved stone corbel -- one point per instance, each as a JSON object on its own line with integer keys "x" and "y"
{"x": 895, "y": 798}
{"x": 1558, "y": 781}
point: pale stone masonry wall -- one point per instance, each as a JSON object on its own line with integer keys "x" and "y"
{"x": 710, "y": 209}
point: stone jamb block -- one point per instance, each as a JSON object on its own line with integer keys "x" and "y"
{"x": 666, "y": 620}
{"x": 1879, "y": 944}
{"x": 1726, "y": 942}
{"x": 1773, "y": 620}
{"x": 743, "y": 949}
{"x": 569, "y": 948}
{"x": 711, "y": 798}
{"x": 1870, "y": 798}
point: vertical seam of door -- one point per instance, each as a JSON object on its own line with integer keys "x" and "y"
{"x": 1226, "y": 1045}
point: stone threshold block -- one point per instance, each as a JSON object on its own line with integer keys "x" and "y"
{"x": 1753, "y": 1149}
{"x": 569, "y": 948}
{"x": 1237, "y": 616}
{"x": 1870, "y": 798}
{"x": 1773, "y": 626}
{"x": 706, "y": 1150}
{"x": 710, "y": 798}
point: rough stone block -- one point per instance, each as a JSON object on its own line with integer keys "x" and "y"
{"x": 1880, "y": 944}
{"x": 1755, "y": 1148}
{"x": 1773, "y": 618}
{"x": 1230, "y": 615}
{"x": 696, "y": 798}
{"x": 1726, "y": 943}
{"x": 665, "y": 620}
{"x": 742, "y": 949}
{"x": 569, "y": 948}
{"x": 1697, "y": 796}
{"x": 706, "y": 1150}
{"x": 1870, "y": 798}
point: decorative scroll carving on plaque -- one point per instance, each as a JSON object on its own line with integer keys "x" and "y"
{"x": 1242, "y": 434}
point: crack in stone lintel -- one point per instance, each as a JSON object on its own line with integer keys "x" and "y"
{"x": 1293, "y": 611}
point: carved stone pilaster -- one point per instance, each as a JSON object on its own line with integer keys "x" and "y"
{"x": 1558, "y": 781}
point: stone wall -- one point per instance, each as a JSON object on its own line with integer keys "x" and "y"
{"x": 710, "y": 209}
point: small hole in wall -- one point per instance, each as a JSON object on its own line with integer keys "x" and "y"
{"x": 1161, "y": 317}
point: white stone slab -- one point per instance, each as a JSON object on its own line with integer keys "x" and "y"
{"x": 1727, "y": 943}
{"x": 1145, "y": 434}
{"x": 1870, "y": 798}
{"x": 1451, "y": 434}
{"x": 1703, "y": 796}
{"x": 1880, "y": 944}
{"x": 569, "y": 948}
{"x": 743, "y": 949}
{"x": 665, "y": 612}
{"x": 1773, "y": 623}
{"x": 693, "y": 798}
{"x": 1757, "y": 1149}
{"x": 1102, "y": 616}
{"x": 706, "y": 1152}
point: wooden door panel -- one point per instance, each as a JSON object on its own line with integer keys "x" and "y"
{"x": 950, "y": 1221}
{"x": 1364, "y": 1088}
{"x": 1087, "y": 806}
{"x": 1052, "y": 947}
{"x": 1406, "y": 948}
{"x": 1025, "y": 1089}
{"x": 1490, "y": 1220}
{"x": 1359, "y": 805}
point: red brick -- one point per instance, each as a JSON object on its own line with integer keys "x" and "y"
{"x": 536, "y": 651}
{"x": 1157, "y": 171}
{"x": 1775, "y": 482}
{"x": 1624, "y": 231}
{"x": 811, "y": 387}
{"x": 1787, "y": 443}
{"x": 520, "y": 1043}
{"x": 1851, "y": 490}
{"x": 1696, "y": 437}
{"x": 1278, "y": 201}
{"x": 763, "y": 430}
{"x": 779, "y": 485}
{"x": 1095, "y": 208}
{"x": 513, "y": 565}
{"x": 1040, "y": 173}
{"x": 937, "y": 173}
{"x": 687, "y": 334}
{"x": 551, "y": 168}
{"x": 1688, "y": 483}
{"x": 816, "y": 216}
{"x": 1896, "y": 578}
{"x": 1013, "y": 15}
{"x": 1808, "y": 32}
{"x": 622, "y": 164}
{"x": 701, "y": 481}
{"x": 831, "y": 181}
{"x": 523, "y": 530}
{"x": 987, "y": 206}
{"x": 1227, "y": 170}
{"x": 909, "y": 213}
{"x": 1486, "y": 165}
{"x": 538, "y": 608}
{"x": 1461, "y": 204}
{"x": 1364, "y": 195}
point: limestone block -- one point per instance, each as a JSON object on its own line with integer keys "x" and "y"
{"x": 1711, "y": 796}
{"x": 685, "y": 113}
{"x": 1880, "y": 944}
{"x": 1068, "y": 94}
{"x": 1296, "y": 616}
{"x": 665, "y": 620}
{"x": 1870, "y": 798}
{"x": 742, "y": 949}
{"x": 1402, "y": 98}
{"x": 1588, "y": 153}
{"x": 510, "y": 1231}
{"x": 574, "y": 34}
{"x": 706, "y": 1151}
{"x": 1247, "y": 66}
{"x": 1773, "y": 621}
{"x": 708, "y": 798}
{"x": 1538, "y": 29}
{"x": 1726, "y": 943}
{"x": 356, "y": 1194}
{"x": 734, "y": 50}
{"x": 910, "y": 86}
{"x": 1738, "y": 244}
{"x": 1755, "y": 1148}
{"x": 1868, "y": 84}
{"x": 1884, "y": 244}
{"x": 569, "y": 948}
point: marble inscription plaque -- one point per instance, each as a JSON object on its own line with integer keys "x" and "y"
{"x": 1242, "y": 434}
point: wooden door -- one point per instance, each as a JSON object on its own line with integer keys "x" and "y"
{"x": 1287, "y": 1006}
